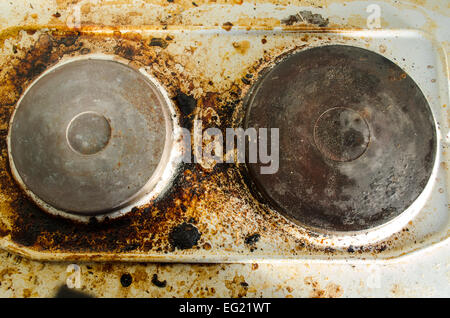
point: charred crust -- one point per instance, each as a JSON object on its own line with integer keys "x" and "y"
{"x": 157, "y": 282}
{"x": 158, "y": 42}
{"x": 186, "y": 105}
{"x": 126, "y": 280}
{"x": 184, "y": 236}
{"x": 252, "y": 239}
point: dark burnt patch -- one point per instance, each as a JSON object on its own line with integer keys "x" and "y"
{"x": 126, "y": 280}
{"x": 158, "y": 42}
{"x": 131, "y": 247}
{"x": 126, "y": 50}
{"x": 157, "y": 282}
{"x": 184, "y": 236}
{"x": 35, "y": 228}
{"x": 3, "y": 230}
{"x": 37, "y": 58}
{"x": 28, "y": 234}
{"x": 245, "y": 81}
{"x": 65, "y": 38}
{"x": 290, "y": 20}
{"x": 3, "y": 135}
{"x": 252, "y": 239}
{"x": 306, "y": 17}
{"x": 186, "y": 104}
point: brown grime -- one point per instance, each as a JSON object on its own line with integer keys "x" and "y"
{"x": 196, "y": 193}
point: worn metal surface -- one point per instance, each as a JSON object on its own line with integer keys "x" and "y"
{"x": 88, "y": 137}
{"x": 205, "y": 74}
{"x": 357, "y": 138}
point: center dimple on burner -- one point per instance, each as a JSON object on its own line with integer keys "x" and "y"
{"x": 88, "y": 133}
{"x": 341, "y": 134}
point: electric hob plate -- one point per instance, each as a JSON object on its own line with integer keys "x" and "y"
{"x": 357, "y": 138}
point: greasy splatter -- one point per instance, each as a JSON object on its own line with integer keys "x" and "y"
{"x": 184, "y": 236}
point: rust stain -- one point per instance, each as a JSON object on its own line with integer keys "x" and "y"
{"x": 331, "y": 290}
{"x": 227, "y": 26}
{"x": 238, "y": 287}
{"x": 251, "y": 22}
{"x": 242, "y": 46}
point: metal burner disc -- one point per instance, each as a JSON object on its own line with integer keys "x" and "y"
{"x": 88, "y": 137}
{"x": 357, "y": 138}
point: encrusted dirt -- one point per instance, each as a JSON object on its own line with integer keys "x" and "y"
{"x": 212, "y": 209}
{"x": 213, "y": 200}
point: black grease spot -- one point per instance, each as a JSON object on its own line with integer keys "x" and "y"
{"x": 134, "y": 210}
{"x": 306, "y": 16}
{"x": 184, "y": 236}
{"x": 37, "y": 58}
{"x": 252, "y": 239}
{"x": 186, "y": 103}
{"x": 126, "y": 280}
{"x": 125, "y": 50}
{"x": 158, "y": 42}
{"x": 93, "y": 221}
{"x": 245, "y": 81}
{"x": 192, "y": 220}
{"x": 130, "y": 247}
{"x": 157, "y": 282}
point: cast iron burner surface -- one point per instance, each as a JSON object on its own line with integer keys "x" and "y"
{"x": 357, "y": 138}
{"x": 88, "y": 136}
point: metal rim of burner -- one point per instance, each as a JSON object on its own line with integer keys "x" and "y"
{"x": 150, "y": 163}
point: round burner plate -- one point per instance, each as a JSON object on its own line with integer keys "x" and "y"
{"x": 357, "y": 138}
{"x": 88, "y": 136}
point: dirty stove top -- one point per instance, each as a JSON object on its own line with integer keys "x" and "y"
{"x": 101, "y": 151}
